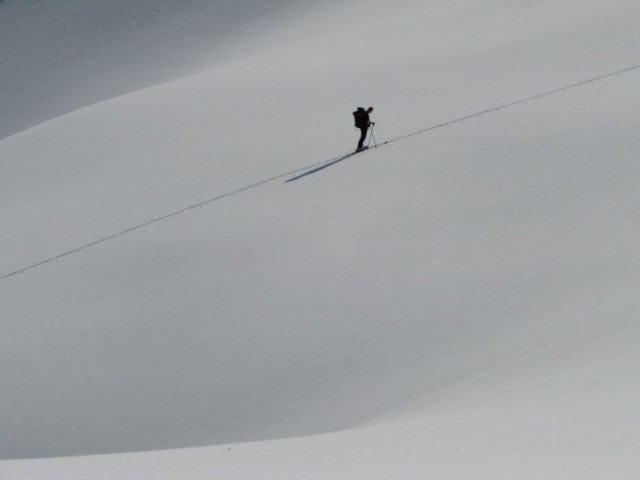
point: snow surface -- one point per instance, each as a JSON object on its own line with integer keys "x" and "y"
{"x": 461, "y": 302}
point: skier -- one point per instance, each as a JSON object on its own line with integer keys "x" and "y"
{"x": 363, "y": 122}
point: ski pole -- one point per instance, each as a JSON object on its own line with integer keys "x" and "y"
{"x": 372, "y": 137}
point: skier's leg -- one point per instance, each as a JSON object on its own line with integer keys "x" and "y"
{"x": 363, "y": 135}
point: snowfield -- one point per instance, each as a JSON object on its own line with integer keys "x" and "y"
{"x": 460, "y": 302}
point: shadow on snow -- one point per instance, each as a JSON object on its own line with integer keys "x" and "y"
{"x": 322, "y": 167}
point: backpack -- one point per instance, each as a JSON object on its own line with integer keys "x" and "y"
{"x": 361, "y": 118}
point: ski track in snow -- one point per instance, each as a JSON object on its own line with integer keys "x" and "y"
{"x": 315, "y": 167}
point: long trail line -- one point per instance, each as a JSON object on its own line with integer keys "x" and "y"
{"x": 516, "y": 102}
{"x": 154, "y": 220}
{"x": 313, "y": 168}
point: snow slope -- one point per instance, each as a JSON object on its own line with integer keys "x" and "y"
{"x": 566, "y": 412}
{"x": 56, "y": 57}
{"x": 163, "y": 287}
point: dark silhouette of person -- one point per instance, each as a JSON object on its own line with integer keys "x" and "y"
{"x": 362, "y": 121}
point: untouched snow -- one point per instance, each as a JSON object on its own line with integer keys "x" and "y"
{"x": 548, "y": 415}
{"x": 457, "y": 303}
